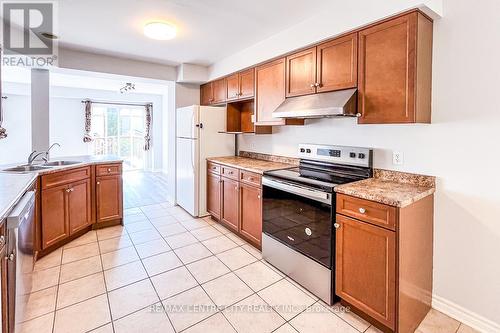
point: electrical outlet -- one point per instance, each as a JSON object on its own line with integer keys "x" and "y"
{"x": 397, "y": 158}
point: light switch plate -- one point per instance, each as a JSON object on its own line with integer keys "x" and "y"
{"x": 397, "y": 158}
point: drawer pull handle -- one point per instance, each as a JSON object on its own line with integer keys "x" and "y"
{"x": 362, "y": 210}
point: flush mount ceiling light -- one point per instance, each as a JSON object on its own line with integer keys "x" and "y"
{"x": 160, "y": 30}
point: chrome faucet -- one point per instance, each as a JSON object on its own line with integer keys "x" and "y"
{"x": 34, "y": 154}
{"x": 48, "y": 150}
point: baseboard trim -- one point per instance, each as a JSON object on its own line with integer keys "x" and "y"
{"x": 465, "y": 316}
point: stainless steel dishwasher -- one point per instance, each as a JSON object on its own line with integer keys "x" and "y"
{"x": 20, "y": 260}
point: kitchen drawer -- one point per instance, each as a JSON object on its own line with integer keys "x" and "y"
{"x": 367, "y": 211}
{"x": 213, "y": 168}
{"x": 230, "y": 172}
{"x": 64, "y": 177}
{"x": 250, "y": 178}
{"x": 108, "y": 169}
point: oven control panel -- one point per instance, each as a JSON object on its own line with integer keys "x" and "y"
{"x": 337, "y": 154}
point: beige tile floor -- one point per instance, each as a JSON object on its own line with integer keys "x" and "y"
{"x": 167, "y": 272}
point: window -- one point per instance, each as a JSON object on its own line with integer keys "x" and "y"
{"x": 119, "y": 130}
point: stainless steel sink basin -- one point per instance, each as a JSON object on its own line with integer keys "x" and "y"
{"x": 26, "y": 168}
{"x": 61, "y": 163}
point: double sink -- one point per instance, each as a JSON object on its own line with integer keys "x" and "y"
{"x": 38, "y": 167}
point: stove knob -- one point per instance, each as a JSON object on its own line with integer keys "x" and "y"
{"x": 302, "y": 150}
{"x": 361, "y": 155}
{"x": 308, "y": 151}
{"x": 352, "y": 155}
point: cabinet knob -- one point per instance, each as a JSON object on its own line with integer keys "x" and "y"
{"x": 313, "y": 85}
{"x": 258, "y": 196}
{"x": 336, "y": 225}
{"x": 11, "y": 256}
{"x": 362, "y": 210}
{"x": 317, "y": 84}
{"x": 109, "y": 169}
{"x": 68, "y": 190}
{"x": 98, "y": 183}
{"x": 358, "y": 114}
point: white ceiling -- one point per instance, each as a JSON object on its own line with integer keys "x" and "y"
{"x": 208, "y": 30}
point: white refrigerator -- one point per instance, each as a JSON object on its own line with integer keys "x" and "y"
{"x": 198, "y": 137}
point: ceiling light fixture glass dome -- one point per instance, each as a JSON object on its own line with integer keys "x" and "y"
{"x": 160, "y": 30}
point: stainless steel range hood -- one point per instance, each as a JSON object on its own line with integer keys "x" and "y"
{"x": 332, "y": 104}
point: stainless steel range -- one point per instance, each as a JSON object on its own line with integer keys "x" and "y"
{"x": 299, "y": 213}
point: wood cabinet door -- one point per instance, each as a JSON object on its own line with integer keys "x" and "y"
{"x": 251, "y": 213}
{"x": 79, "y": 206}
{"x": 54, "y": 215}
{"x": 337, "y": 64}
{"x": 219, "y": 91}
{"x": 109, "y": 198}
{"x": 213, "y": 194}
{"x": 270, "y": 91}
{"x": 206, "y": 93}
{"x": 301, "y": 73}
{"x": 366, "y": 268}
{"x": 4, "y": 294}
{"x": 247, "y": 83}
{"x": 232, "y": 87}
{"x": 230, "y": 203}
{"x": 386, "y": 89}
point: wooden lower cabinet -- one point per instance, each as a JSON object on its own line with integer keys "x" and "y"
{"x": 73, "y": 200}
{"x": 365, "y": 268}
{"x": 230, "y": 203}
{"x": 55, "y": 226}
{"x": 236, "y": 202}
{"x": 213, "y": 194}
{"x": 109, "y": 198}
{"x": 251, "y": 212}
{"x": 384, "y": 270}
{"x": 79, "y": 206}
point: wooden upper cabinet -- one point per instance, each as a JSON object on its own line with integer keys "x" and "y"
{"x": 301, "y": 73}
{"x": 337, "y": 64}
{"x": 366, "y": 268}
{"x": 270, "y": 91}
{"x": 240, "y": 85}
{"x": 79, "y": 206}
{"x": 206, "y": 93}
{"x": 232, "y": 87}
{"x": 247, "y": 83}
{"x": 395, "y": 69}
{"x": 219, "y": 91}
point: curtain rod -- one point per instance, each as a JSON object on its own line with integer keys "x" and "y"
{"x": 118, "y": 103}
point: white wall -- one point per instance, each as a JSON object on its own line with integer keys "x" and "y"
{"x": 460, "y": 148}
{"x": 337, "y": 18}
{"x": 17, "y": 120}
{"x": 80, "y": 60}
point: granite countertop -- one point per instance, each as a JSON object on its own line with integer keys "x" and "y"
{"x": 391, "y": 188}
{"x": 13, "y": 184}
{"x": 250, "y": 164}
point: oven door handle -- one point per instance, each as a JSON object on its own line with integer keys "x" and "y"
{"x": 302, "y": 191}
